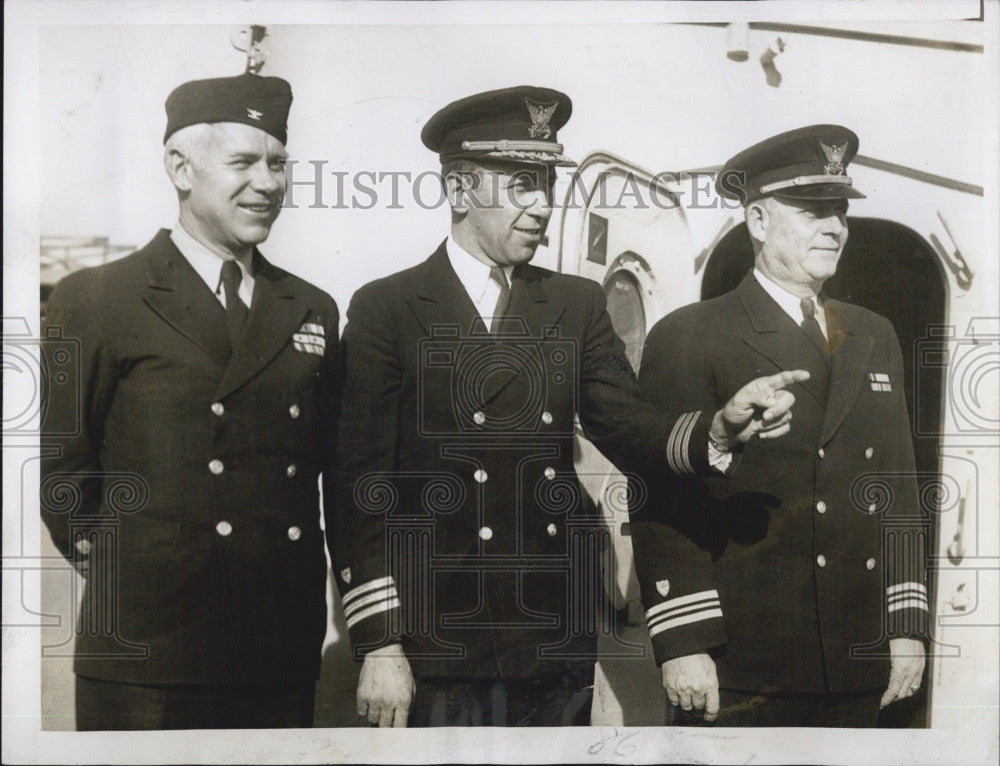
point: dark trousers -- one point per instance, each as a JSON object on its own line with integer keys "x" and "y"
{"x": 111, "y": 706}
{"x": 563, "y": 700}
{"x": 740, "y": 708}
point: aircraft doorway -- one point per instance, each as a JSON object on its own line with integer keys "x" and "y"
{"x": 889, "y": 269}
{"x": 627, "y": 312}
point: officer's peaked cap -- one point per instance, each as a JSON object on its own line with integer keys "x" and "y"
{"x": 512, "y": 124}
{"x": 808, "y": 163}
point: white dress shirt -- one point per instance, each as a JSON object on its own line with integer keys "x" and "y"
{"x": 209, "y": 265}
{"x": 791, "y": 304}
{"x": 475, "y": 278}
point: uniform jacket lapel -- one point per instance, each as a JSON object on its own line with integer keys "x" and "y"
{"x": 182, "y": 299}
{"x": 774, "y": 335}
{"x": 533, "y": 310}
{"x": 849, "y": 365}
{"x": 276, "y": 312}
{"x": 534, "y": 303}
{"x": 441, "y": 303}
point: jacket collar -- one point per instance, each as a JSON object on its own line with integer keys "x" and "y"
{"x": 853, "y": 345}
{"x": 776, "y": 336}
{"x": 183, "y": 300}
{"x": 444, "y": 298}
{"x": 446, "y": 312}
{"x": 278, "y": 310}
{"x": 208, "y": 264}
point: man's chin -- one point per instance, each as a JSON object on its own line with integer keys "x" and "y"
{"x": 825, "y": 269}
{"x": 255, "y": 235}
{"x": 524, "y": 255}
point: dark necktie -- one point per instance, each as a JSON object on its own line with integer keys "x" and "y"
{"x": 236, "y": 309}
{"x": 503, "y": 301}
{"x": 810, "y": 325}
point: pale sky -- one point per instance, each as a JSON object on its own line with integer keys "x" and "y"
{"x": 662, "y": 95}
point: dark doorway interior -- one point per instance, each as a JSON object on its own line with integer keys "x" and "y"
{"x": 627, "y": 314}
{"x": 890, "y": 269}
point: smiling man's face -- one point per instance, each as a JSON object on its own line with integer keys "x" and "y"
{"x": 508, "y": 211}
{"x": 237, "y": 183}
{"x": 802, "y": 241}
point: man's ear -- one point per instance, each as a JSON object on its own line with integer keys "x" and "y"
{"x": 179, "y": 169}
{"x": 458, "y": 186}
{"x": 756, "y": 216}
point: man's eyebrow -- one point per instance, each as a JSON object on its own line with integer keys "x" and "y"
{"x": 254, "y": 156}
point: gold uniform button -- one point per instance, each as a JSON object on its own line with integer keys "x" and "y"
{"x": 216, "y": 467}
{"x": 291, "y": 471}
{"x": 550, "y": 473}
{"x": 294, "y": 533}
{"x": 294, "y": 411}
{"x": 822, "y": 453}
{"x": 870, "y": 564}
{"x": 868, "y": 453}
{"x": 486, "y": 533}
{"x": 547, "y": 418}
{"x": 821, "y": 506}
{"x": 821, "y": 560}
{"x": 552, "y": 530}
{"x": 224, "y": 528}
{"x": 479, "y": 418}
{"x": 218, "y": 408}
{"x": 481, "y": 476}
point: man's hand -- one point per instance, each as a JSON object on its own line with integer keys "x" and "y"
{"x": 906, "y": 669}
{"x": 761, "y": 408}
{"x": 385, "y": 687}
{"x": 692, "y": 683}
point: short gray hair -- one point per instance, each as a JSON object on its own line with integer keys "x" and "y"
{"x": 189, "y": 141}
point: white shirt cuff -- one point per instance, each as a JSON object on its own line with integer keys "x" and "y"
{"x": 719, "y": 460}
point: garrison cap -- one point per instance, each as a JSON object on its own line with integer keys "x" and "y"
{"x": 513, "y": 124}
{"x": 808, "y": 163}
{"x": 261, "y": 102}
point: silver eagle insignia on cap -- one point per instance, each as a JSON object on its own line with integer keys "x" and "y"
{"x": 834, "y": 155}
{"x": 540, "y": 115}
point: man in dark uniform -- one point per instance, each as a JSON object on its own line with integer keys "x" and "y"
{"x": 463, "y": 545}
{"x": 186, "y": 448}
{"x": 776, "y": 585}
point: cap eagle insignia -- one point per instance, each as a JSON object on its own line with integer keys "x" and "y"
{"x": 540, "y": 115}
{"x": 834, "y": 155}
{"x": 253, "y": 114}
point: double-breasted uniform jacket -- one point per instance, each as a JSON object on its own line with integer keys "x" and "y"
{"x": 794, "y": 567}
{"x": 462, "y": 530}
{"x": 190, "y": 470}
